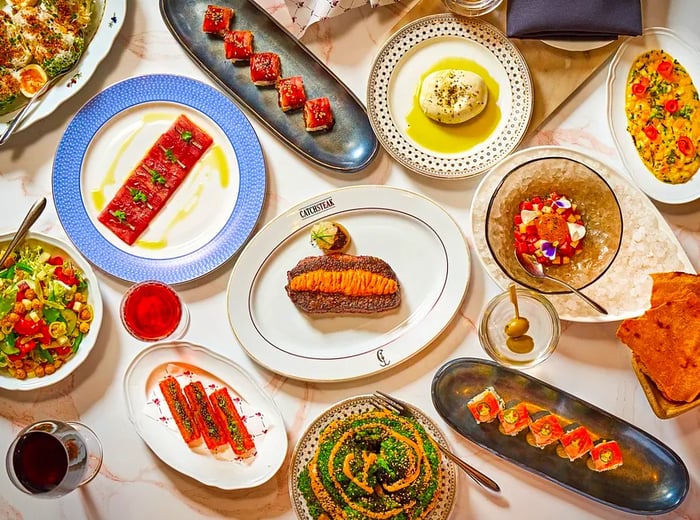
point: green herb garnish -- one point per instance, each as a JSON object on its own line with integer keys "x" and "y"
{"x": 156, "y": 177}
{"x": 137, "y": 195}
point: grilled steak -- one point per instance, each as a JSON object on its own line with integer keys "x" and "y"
{"x": 343, "y": 284}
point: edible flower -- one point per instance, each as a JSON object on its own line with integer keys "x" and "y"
{"x": 548, "y": 249}
{"x": 671, "y": 106}
{"x": 651, "y": 132}
{"x": 563, "y": 203}
{"x": 665, "y": 69}
{"x": 686, "y": 146}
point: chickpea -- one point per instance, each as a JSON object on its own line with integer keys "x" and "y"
{"x": 19, "y": 274}
{"x": 39, "y": 371}
{"x": 20, "y": 374}
{"x": 13, "y": 317}
{"x": 29, "y": 294}
{"x": 57, "y": 364}
{"x": 50, "y": 369}
{"x": 78, "y": 297}
{"x": 84, "y": 327}
{"x": 85, "y": 314}
{"x": 37, "y": 305}
{"x": 9, "y": 261}
{"x": 28, "y": 365}
{"x": 19, "y": 363}
{"x": 18, "y": 308}
{"x": 68, "y": 271}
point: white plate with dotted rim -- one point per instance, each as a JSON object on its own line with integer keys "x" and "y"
{"x": 415, "y": 48}
{"x": 308, "y": 442}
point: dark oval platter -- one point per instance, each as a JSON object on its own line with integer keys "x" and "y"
{"x": 652, "y": 480}
{"x": 349, "y": 147}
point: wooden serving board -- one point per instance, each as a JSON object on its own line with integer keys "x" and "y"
{"x": 556, "y": 74}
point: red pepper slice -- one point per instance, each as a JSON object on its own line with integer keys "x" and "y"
{"x": 25, "y": 348}
{"x": 26, "y": 326}
{"x": 665, "y": 69}
{"x": 55, "y": 260}
{"x": 62, "y": 351}
{"x": 651, "y": 132}
{"x": 68, "y": 280}
{"x": 686, "y": 146}
{"x": 671, "y": 106}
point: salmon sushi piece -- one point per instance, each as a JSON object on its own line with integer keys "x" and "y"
{"x": 576, "y": 442}
{"x": 213, "y": 433}
{"x": 545, "y": 429}
{"x": 265, "y": 68}
{"x": 180, "y": 409}
{"x": 486, "y": 405}
{"x": 514, "y": 418}
{"x": 238, "y": 45}
{"x": 290, "y": 93}
{"x": 239, "y": 438}
{"x": 606, "y": 455}
{"x": 318, "y": 115}
{"x": 217, "y": 19}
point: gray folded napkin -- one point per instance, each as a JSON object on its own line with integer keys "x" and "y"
{"x": 573, "y": 19}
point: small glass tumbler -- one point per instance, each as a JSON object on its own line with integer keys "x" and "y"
{"x": 544, "y": 328}
{"x": 52, "y": 458}
{"x": 471, "y": 7}
{"x": 153, "y": 311}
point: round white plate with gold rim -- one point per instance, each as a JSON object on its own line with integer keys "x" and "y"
{"x": 648, "y": 244}
{"x": 308, "y": 444}
{"x": 446, "y": 41}
{"x": 416, "y": 237}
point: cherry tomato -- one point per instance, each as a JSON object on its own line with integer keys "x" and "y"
{"x": 651, "y": 132}
{"x": 665, "y": 69}
{"x": 671, "y": 106}
{"x": 639, "y": 90}
{"x": 686, "y": 146}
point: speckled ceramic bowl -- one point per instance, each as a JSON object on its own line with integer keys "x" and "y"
{"x": 595, "y": 201}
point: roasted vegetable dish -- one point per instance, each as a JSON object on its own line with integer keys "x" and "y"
{"x": 39, "y": 39}
{"x": 372, "y": 465}
{"x": 662, "y": 105}
{"x": 44, "y": 312}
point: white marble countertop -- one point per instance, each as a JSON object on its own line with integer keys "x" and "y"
{"x": 133, "y": 483}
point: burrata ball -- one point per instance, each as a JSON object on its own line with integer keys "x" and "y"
{"x": 453, "y": 96}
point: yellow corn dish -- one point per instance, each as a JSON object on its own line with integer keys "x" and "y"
{"x": 663, "y": 116}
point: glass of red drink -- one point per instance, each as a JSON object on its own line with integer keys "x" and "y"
{"x": 52, "y": 458}
{"x": 153, "y": 311}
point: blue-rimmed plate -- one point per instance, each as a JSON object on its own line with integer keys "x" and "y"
{"x": 348, "y": 148}
{"x": 186, "y": 240}
{"x": 652, "y": 479}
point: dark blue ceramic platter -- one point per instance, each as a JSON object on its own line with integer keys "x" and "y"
{"x": 349, "y": 147}
{"x": 652, "y": 480}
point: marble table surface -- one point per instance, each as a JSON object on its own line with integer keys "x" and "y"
{"x": 133, "y": 483}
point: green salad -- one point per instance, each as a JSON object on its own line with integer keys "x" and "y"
{"x": 44, "y": 311}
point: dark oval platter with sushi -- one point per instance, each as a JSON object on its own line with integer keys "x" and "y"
{"x": 652, "y": 479}
{"x": 349, "y": 147}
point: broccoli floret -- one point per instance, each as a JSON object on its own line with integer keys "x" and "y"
{"x": 64, "y": 60}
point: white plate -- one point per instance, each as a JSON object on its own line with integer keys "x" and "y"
{"x": 110, "y": 17}
{"x": 219, "y": 470}
{"x": 94, "y": 298}
{"x": 577, "y": 46}
{"x": 417, "y": 238}
{"x": 648, "y": 244}
{"x": 689, "y": 57}
{"x": 417, "y": 47}
{"x": 308, "y": 442}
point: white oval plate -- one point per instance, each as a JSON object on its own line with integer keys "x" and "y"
{"x": 417, "y": 238}
{"x": 142, "y": 377}
{"x": 111, "y": 15}
{"x": 648, "y": 244}
{"x": 689, "y": 57}
{"x": 308, "y": 442}
{"x": 413, "y": 50}
{"x": 94, "y": 298}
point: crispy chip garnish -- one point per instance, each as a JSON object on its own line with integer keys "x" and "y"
{"x": 666, "y": 340}
{"x": 673, "y": 286}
